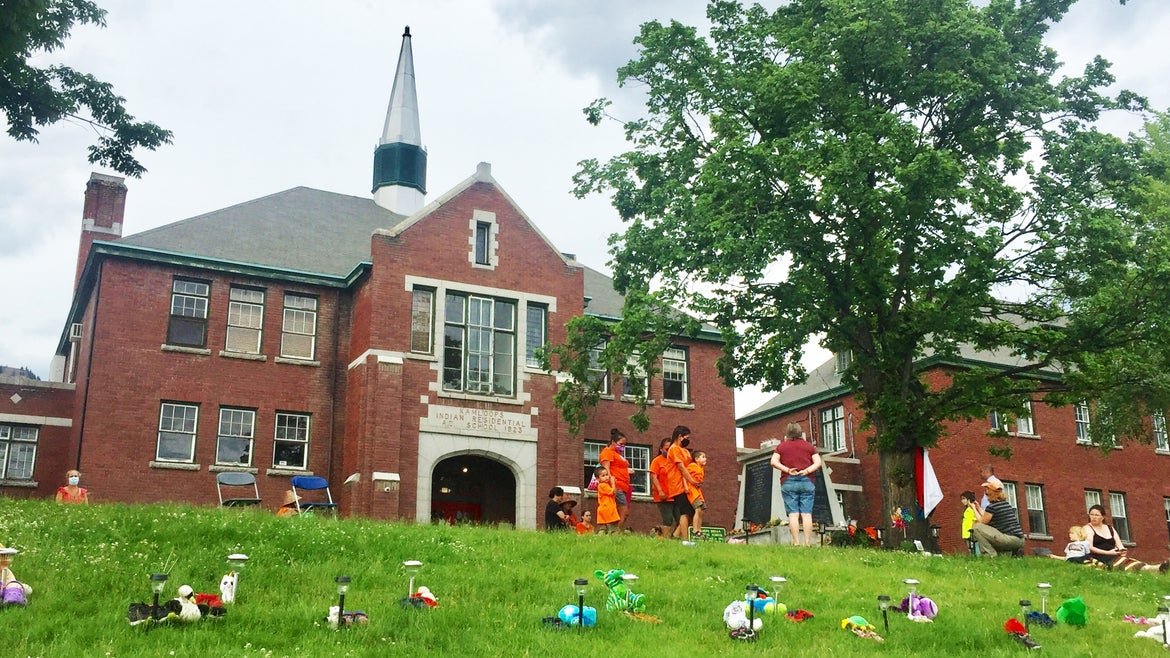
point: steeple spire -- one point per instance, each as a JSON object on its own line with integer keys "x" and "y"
{"x": 400, "y": 162}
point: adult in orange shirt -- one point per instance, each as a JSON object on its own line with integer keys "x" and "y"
{"x": 607, "y": 514}
{"x": 658, "y": 478}
{"x": 613, "y": 461}
{"x": 679, "y": 480}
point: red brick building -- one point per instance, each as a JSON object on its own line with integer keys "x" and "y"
{"x": 1053, "y": 474}
{"x": 383, "y": 344}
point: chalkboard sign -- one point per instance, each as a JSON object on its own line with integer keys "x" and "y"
{"x": 821, "y": 512}
{"x": 757, "y": 492}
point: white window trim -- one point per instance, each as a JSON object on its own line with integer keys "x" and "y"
{"x": 238, "y": 303}
{"x": 1161, "y": 438}
{"x": 1082, "y": 409}
{"x": 593, "y": 463}
{"x": 316, "y": 311}
{"x": 1039, "y": 488}
{"x": 159, "y": 430}
{"x": 276, "y": 439}
{"x": 686, "y": 380}
{"x": 838, "y": 423}
{"x": 251, "y": 439}
{"x": 489, "y": 218}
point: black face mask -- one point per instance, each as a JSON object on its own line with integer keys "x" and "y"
{"x": 685, "y": 442}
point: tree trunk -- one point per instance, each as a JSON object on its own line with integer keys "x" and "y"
{"x": 900, "y": 499}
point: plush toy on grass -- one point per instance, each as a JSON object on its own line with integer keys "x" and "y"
{"x": 861, "y": 627}
{"x": 735, "y": 615}
{"x": 1020, "y": 633}
{"x": 620, "y": 597}
{"x": 923, "y": 610}
{"x": 227, "y": 587}
{"x": 1073, "y": 612}
{"x": 1156, "y": 629}
{"x": 570, "y": 615}
{"x": 14, "y": 592}
{"x": 348, "y": 618}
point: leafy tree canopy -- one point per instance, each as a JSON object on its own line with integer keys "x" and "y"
{"x": 900, "y": 179}
{"x": 32, "y": 97}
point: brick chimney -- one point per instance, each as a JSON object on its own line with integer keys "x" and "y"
{"x": 105, "y": 204}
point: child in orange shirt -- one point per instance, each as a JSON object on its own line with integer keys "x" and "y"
{"x": 607, "y": 514}
{"x": 694, "y": 493}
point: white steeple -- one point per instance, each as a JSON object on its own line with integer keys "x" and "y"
{"x": 400, "y": 162}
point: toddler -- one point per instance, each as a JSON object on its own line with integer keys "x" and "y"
{"x": 607, "y": 514}
{"x": 695, "y": 494}
{"x": 1077, "y": 549}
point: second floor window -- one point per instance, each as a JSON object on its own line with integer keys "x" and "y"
{"x": 833, "y": 428}
{"x": 674, "y": 375}
{"x": 422, "y": 312}
{"x": 1081, "y": 415}
{"x": 483, "y": 243}
{"x": 598, "y": 375}
{"x": 1161, "y": 443}
{"x": 479, "y": 350}
{"x": 245, "y": 320}
{"x": 298, "y": 338}
{"x": 535, "y": 333}
{"x": 188, "y": 319}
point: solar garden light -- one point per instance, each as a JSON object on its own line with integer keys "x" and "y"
{"x": 881, "y": 534}
{"x": 237, "y": 561}
{"x": 342, "y": 588}
{"x": 750, "y": 595}
{"x": 934, "y": 530}
{"x": 157, "y": 582}
{"x": 1024, "y": 605}
{"x": 1164, "y": 612}
{"x": 1043, "y": 587}
{"x": 777, "y": 583}
{"x": 821, "y": 530}
{"x": 581, "y": 585}
{"x": 913, "y": 585}
{"x": 412, "y": 567}
{"x": 884, "y": 606}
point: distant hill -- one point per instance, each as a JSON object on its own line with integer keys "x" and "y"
{"x": 18, "y": 373}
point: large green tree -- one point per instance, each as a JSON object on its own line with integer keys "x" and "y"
{"x": 32, "y": 97}
{"x": 893, "y": 178}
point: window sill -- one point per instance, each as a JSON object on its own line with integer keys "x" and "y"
{"x": 1128, "y": 544}
{"x": 1039, "y": 537}
{"x": 673, "y": 404}
{"x": 243, "y": 355}
{"x": 1159, "y": 451}
{"x": 176, "y": 466}
{"x": 232, "y": 468}
{"x": 420, "y": 356}
{"x": 19, "y": 484}
{"x": 631, "y": 398}
{"x": 201, "y": 351}
{"x": 286, "y": 472}
{"x": 482, "y": 398}
{"x": 297, "y": 362}
{"x": 1030, "y": 437}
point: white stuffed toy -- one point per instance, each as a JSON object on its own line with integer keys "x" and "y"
{"x": 188, "y": 611}
{"x": 735, "y": 616}
{"x": 227, "y": 587}
{"x": 1155, "y": 630}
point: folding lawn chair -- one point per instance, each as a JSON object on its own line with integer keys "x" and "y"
{"x": 235, "y": 480}
{"x": 306, "y": 483}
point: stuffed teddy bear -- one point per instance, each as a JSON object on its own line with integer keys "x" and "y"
{"x": 620, "y": 597}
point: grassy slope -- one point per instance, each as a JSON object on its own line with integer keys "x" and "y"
{"x": 87, "y": 564}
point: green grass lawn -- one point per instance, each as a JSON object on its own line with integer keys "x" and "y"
{"x": 86, "y": 564}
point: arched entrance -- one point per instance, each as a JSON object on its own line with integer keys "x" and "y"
{"x": 473, "y": 489}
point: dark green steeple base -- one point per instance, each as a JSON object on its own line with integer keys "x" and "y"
{"x": 400, "y": 164}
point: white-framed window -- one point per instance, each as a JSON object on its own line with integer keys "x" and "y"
{"x": 1119, "y": 515}
{"x": 833, "y": 428}
{"x": 479, "y": 352}
{"x": 1092, "y": 497}
{"x": 1161, "y": 441}
{"x": 675, "y": 379}
{"x": 422, "y": 315}
{"x": 637, "y": 455}
{"x": 1037, "y": 520}
{"x": 998, "y": 421}
{"x": 1081, "y": 415}
{"x": 597, "y": 373}
{"x": 1166, "y": 510}
{"x": 1009, "y": 489}
{"x": 237, "y": 429}
{"x": 18, "y": 451}
{"x": 245, "y": 321}
{"x": 1024, "y": 422}
{"x": 177, "y": 425}
{"x": 298, "y": 338}
{"x": 630, "y": 382}
{"x": 188, "y": 320}
{"x": 483, "y": 243}
{"x": 535, "y": 332}
{"x": 844, "y": 360}
{"x": 290, "y": 449}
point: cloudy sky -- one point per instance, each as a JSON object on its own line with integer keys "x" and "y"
{"x": 267, "y": 95}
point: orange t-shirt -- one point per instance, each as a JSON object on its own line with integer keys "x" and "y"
{"x": 584, "y": 528}
{"x": 696, "y": 471}
{"x": 658, "y": 471}
{"x": 606, "y": 504}
{"x": 675, "y": 483}
{"x": 618, "y": 467}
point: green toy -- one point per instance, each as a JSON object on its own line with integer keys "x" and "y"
{"x": 620, "y": 597}
{"x": 1073, "y": 612}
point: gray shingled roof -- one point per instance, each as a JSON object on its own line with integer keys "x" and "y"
{"x": 298, "y": 229}
{"x": 606, "y": 301}
{"x": 822, "y": 381}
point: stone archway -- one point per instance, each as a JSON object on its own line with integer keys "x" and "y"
{"x": 472, "y": 488}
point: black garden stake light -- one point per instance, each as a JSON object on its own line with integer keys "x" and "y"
{"x": 821, "y": 530}
{"x": 884, "y": 606}
{"x": 157, "y": 582}
{"x": 342, "y": 588}
{"x": 1025, "y": 604}
{"x": 752, "y": 593}
{"x": 581, "y": 584}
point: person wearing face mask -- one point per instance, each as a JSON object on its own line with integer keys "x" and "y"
{"x": 614, "y": 461}
{"x": 679, "y": 479}
{"x": 71, "y": 494}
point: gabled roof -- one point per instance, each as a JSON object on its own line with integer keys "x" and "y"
{"x": 824, "y": 383}
{"x": 300, "y": 229}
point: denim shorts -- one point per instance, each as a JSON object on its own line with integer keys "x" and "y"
{"x": 798, "y": 492}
